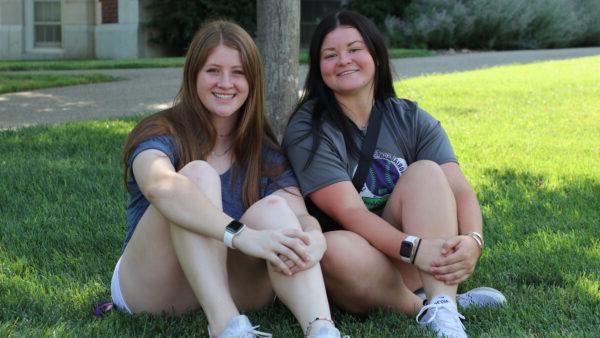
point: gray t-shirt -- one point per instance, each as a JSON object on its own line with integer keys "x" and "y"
{"x": 407, "y": 134}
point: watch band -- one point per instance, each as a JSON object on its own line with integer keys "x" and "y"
{"x": 233, "y": 229}
{"x": 408, "y": 249}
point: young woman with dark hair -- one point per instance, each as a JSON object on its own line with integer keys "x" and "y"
{"x": 416, "y": 222}
{"x": 206, "y": 177}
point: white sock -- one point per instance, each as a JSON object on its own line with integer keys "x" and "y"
{"x": 443, "y": 299}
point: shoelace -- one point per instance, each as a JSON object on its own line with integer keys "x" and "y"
{"x": 435, "y": 308}
{"x": 253, "y": 330}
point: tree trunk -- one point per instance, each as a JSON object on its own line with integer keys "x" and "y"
{"x": 278, "y": 26}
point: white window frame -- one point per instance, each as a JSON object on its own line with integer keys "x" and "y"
{"x": 30, "y": 28}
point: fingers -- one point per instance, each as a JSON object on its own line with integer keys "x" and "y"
{"x": 448, "y": 260}
{"x": 290, "y": 264}
{"x": 447, "y": 269}
{"x": 282, "y": 249}
{"x": 450, "y": 245}
{"x": 297, "y": 233}
{"x": 278, "y": 264}
{"x": 298, "y": 247}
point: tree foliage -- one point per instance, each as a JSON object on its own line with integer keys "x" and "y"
{"x": 174, "y": 22}
{"x": 378, "y": 10}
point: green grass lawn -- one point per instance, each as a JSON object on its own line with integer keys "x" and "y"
{"x": 151, "y": 62}
{"x": 19, "y": 82}
{"x": 91, "y": 64}
{"x": 527, "y": 137}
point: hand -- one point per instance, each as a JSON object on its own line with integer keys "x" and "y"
{"x": 273, "y": 245}
{"x": 316, "y": 249}
{"x": 429, "y": 251}
{"x": 459, "y": 258}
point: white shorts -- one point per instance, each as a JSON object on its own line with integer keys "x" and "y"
{"x": 115, "y": 290}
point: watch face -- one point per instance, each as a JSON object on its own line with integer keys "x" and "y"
{"x": 406, "y": 249}
{"x": 234, "y": 226}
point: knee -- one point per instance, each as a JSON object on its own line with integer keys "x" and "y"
{"x": 200, "y": 172}
{"x": 425, "y": 172}
{"x": 271, "y": 212}
{"x": 426, "y": 167}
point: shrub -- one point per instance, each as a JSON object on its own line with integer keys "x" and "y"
{"x": 436, "y": 23}
{"x": 174, "y": 22}
{"x": 497, "y": 24}
{"x": 378, "y": 10}
{"x": 587, "y": 13}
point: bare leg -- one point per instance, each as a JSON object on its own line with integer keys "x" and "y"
{"x": 422, "y": 204}
{"x": 361, "y": 278}
{"x": 167, "y": 268}
{"x": 304, "y": 292}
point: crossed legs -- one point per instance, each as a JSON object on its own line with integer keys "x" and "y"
{"x": 166, "y": 268}
{"x": 360, "y": 278}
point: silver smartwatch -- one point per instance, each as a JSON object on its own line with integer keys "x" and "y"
{"x": 408, "y": 249}
{"x": 232, "y": 229}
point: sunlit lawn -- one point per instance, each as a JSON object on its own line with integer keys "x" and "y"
{"x": 527, "y": 137}
{"x": 20, "y": 82}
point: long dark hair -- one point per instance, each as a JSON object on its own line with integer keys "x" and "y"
{"x": 326, "y": 106}
{"x": 188, "y": 121}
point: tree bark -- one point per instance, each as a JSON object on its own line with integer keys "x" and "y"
{"x": 278, "y": 30}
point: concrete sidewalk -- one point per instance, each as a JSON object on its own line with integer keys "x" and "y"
{"x": 152, "y": 89}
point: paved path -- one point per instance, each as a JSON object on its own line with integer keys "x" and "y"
{"x": 147, "y": 90}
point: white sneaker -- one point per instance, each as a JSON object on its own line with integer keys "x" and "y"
{"x": 240, "y": 327}
{"x": 478, "y": 297}
{"x": 481, "y": 297}
{"x": 326, "y": 332}
{"x": 443, "y": 318}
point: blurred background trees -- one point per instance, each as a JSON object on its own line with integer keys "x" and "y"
{"x": 433, "y": 24}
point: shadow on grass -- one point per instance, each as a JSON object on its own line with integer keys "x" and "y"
{"x": 539, "y": 232}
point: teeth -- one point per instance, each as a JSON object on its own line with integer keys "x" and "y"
{"x": 347, "y": 72}
{"x": 224, "y": 96}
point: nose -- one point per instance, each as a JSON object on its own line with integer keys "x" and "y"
{"x": 344, "y": 58}
{"x": 225, "y": 80}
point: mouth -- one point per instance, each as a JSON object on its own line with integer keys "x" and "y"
{"x": 221, "y": 96}
{"x": 347, "y": 72}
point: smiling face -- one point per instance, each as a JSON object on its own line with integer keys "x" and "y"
{"x": 346, "y": 65}
{"x": 221, "y": 84}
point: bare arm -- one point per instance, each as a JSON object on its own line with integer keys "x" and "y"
{"x": 343, "y": 204}
{"x": 176, "y": 197}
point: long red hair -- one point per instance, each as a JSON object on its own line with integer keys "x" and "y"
{"x": 188, "y": 121}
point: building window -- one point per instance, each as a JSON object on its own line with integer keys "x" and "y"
{"x": 47, "y": 23}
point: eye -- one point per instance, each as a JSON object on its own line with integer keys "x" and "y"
{"x": 329, "y": 56}
{"x": 239, "y": 72}
{"x": 354, "y": 50}
{"x": 212, "y": 70}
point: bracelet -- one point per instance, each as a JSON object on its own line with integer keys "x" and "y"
{"x": 416, "y": 251}
{"x": 314, "y": 320}
{"x": 478, "y": 239}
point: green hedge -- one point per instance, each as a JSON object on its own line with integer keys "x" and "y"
{"x": 496, "y": 24}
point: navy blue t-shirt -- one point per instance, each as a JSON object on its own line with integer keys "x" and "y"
{"x": 231, "y": 189}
